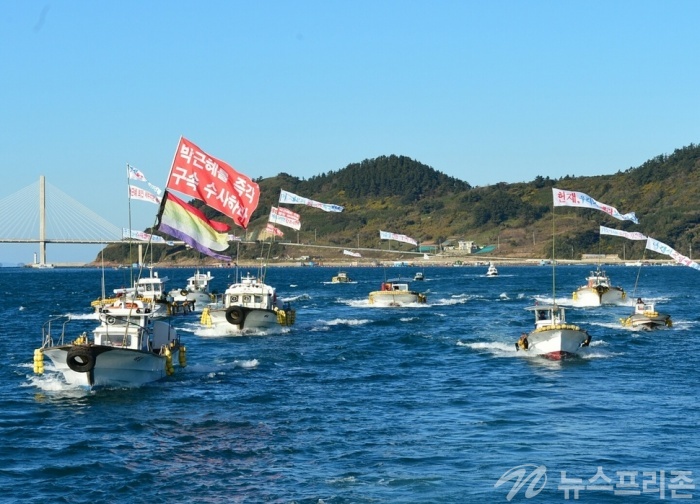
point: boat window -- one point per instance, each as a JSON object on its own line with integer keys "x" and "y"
{"x": 541, "y": 315}
{"x": 246, "y": 299}
{"x": 258, "y": 299}
{"x": 234, "y": 299}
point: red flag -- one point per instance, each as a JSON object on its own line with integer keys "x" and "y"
{"x": 199, "y": 175}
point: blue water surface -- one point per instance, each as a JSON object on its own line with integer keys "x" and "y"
{"x": 359, "y": 404}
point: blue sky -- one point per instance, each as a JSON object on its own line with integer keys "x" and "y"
{"x": 486, "y": 91}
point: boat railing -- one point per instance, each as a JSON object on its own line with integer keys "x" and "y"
{"x": 47, "y": 338}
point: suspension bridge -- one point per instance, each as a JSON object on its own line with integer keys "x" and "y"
{"x": 43, "y": 214}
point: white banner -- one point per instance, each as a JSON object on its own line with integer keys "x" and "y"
{"x": 384, "y": 235}
{"x": 353, "y": 254}
{"x": 625, "y": 234}
{"x": 578, "y": 199}
{"x": 293, "y": 199}
{"x": 141, "y": 194}
{"x": 662, "y": 248}
{"x": 285, "y": 217}
{"x": 142, "y": 236}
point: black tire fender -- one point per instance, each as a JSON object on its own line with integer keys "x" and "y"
{"x": 235, "y": 315}
{"x": 183, "y": 292}
{"x": 80, "y": 359}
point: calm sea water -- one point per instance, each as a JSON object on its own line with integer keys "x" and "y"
{"x": 363, "y": 404}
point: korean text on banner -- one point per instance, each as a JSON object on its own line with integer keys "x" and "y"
{"x": 285, "y": 217}
{"x": 136, "y": 193}
{"x": 579, "y": 199}
{"x": 662, "y": 248}
{"x": 385, "y": 235}
{"x": 294, "y": 199}
{"x": 271, "y": 229}
{"x": 199, "y": 175}
{"x": 625, "y": 234}
{"x": 187, "y": 223}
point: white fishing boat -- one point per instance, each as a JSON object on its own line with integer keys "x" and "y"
{"x": 598, "y": 291}
{"x": 150, "y": 290}
{"x": 248, "y": 305}
{"x": 645, "y": 316}
{"x": 553, "y": 337}
{"x": 395, "y": 292}
{"x": 419, "y": 276}
{"x": 492, "y": 271}
{"x": 127, "y": 349}
{"x": 341, "y": 277}
{"x": 196, "y": 294}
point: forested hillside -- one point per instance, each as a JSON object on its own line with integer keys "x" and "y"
{"x": 401, "y": 195}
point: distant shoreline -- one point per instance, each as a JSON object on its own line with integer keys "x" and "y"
{"x": 435, "y": 262}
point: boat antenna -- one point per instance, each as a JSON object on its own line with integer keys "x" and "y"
{"x": 634, "y": 292}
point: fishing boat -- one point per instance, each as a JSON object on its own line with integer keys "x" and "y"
{"x": 492, "y": 271}
{"x": 419, "y": 276}
{"x": 196, "y": 294}
{"x": 395, "y": 292}
{"x": 248, "y": 305}
{"x": 552, "y": 336}
{"x": 598, "y": 291}
{"x": 149, "y": 290}
{"x": 341, "y": 277}
{"x": 645, "y": 316}
{"x": 127, "y": 349}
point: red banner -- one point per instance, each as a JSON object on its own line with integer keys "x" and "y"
{"x": 199, "y": 175}
{"x": 270, "y": 229}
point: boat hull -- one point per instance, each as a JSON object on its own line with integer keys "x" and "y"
{"x": 110, "y": 367}
{"x": 252, "y": 319}
{"x": 557, "y": 342}
{"x": 639, "y": 321}
{"x": 591, "y": 296}
{"x": 395, "y": 298}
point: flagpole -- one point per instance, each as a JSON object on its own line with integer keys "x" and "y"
{"x": 128, "y": 193}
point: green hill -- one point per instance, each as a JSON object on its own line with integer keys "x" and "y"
{"x": 402, "y": 195}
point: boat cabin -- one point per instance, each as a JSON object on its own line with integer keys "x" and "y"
{"x": 547, "y": 315}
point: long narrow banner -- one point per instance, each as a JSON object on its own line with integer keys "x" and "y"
{"x": 293, "y": 199}
{"x": 136, "y": 174}
{"x": 625, "y": 234}
{"x": 271, "y": 229}
{"x": 578, "y": 199}
{"x": 353, "y": 254}
{"x": 384, "y": 235}
{"x": 142, "y": 236}
{"x": 662, "y": 248}
{"x": 285, "y": 217}
{"x": 136, "y": 193}
{"x": 199, "y": 175}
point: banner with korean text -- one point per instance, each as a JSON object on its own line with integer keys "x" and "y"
{"x": 199, "y": 175}
{"x": 625, "y": 234}
{"x": 662, "y": 248}
{"x": 272, "y": 230}
{"x": 353, "y": 254}
{"x": 136, "y": 193}
{"x": 285, "y": 217}
{"x": 142, "y": 236}
{"x": 579, "y": 199}
{"x": 384, "y": 235}
{"x": 293, "y": 199}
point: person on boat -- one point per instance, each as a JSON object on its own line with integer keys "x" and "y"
{"x": 640, "y": 305}
{"x": 522, "y": 342}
